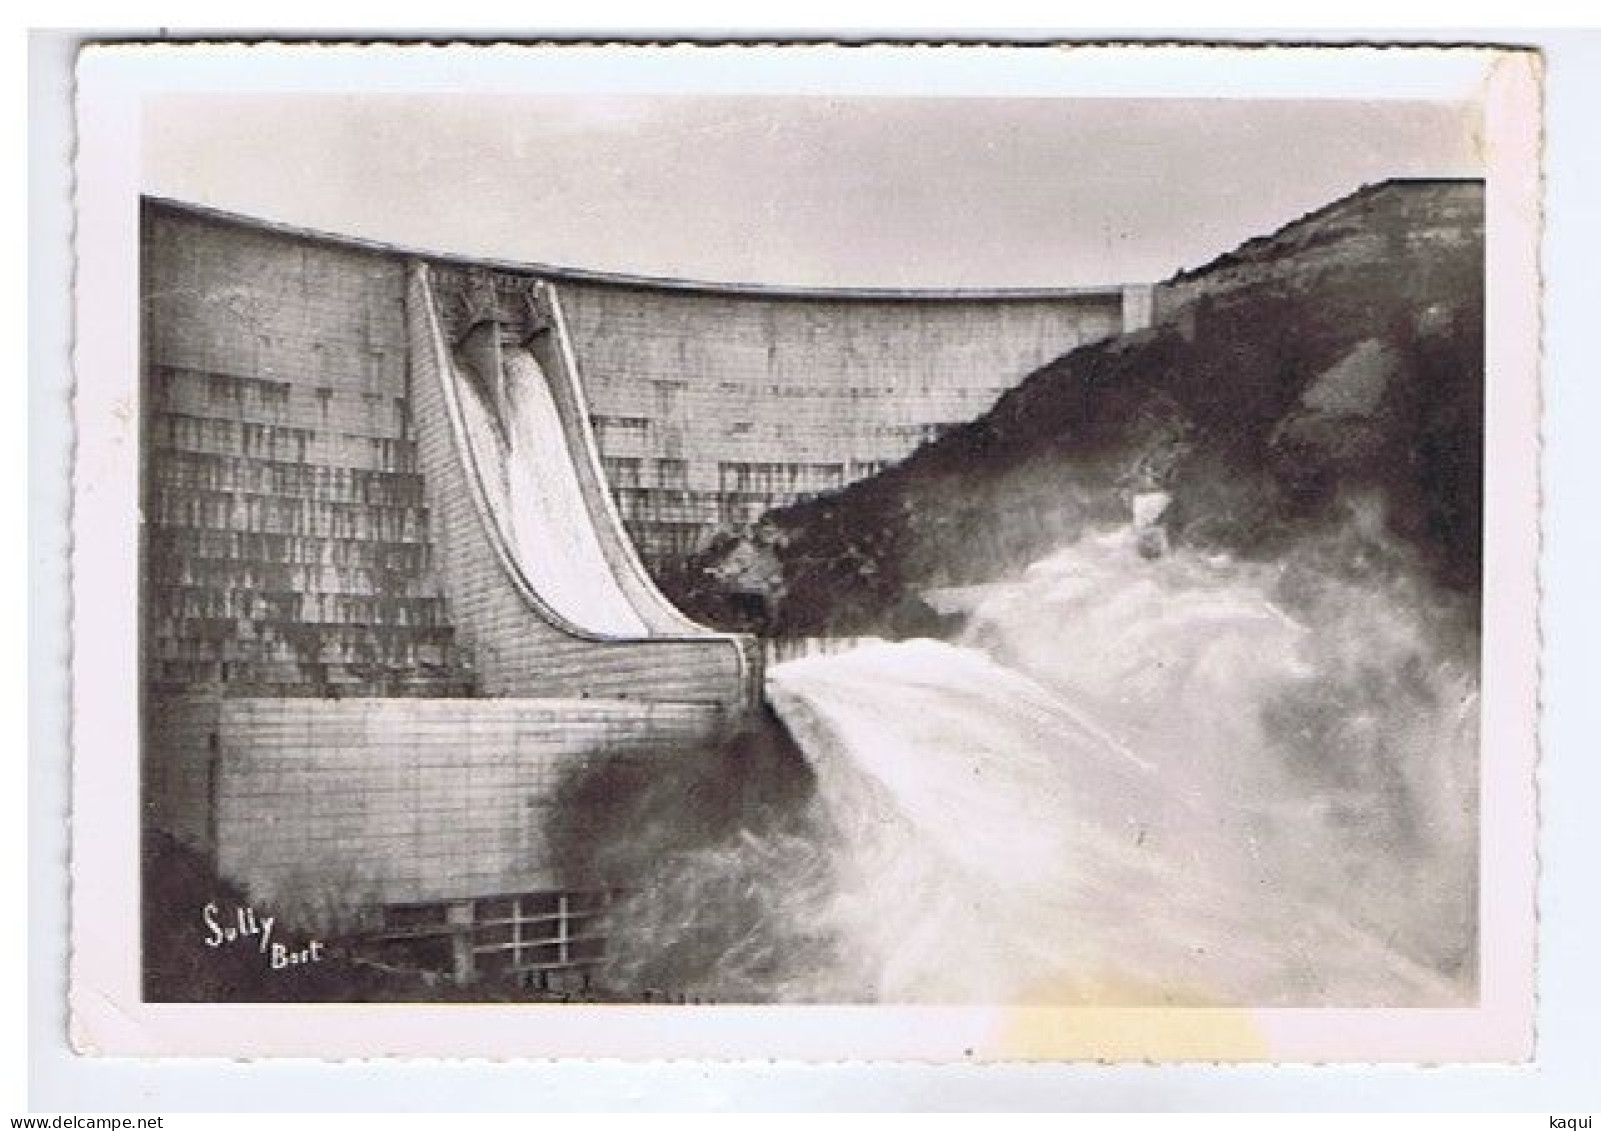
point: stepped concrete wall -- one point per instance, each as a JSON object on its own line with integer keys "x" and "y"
{"x": 287, "y": 549}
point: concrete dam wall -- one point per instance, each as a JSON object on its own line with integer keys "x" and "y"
{"x": 714, "y": 406}
{"x": 401, "y": 514}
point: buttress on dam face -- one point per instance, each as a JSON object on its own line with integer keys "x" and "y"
{"x": 404, "y": 520}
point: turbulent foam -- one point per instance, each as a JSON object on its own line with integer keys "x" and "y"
{"x": 1131, "y": 781}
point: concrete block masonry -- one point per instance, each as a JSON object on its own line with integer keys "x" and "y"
{"x": 352, "y": 700}
{"x": 287, "y": 547}
{"x": 715, "y": 405}
{"x": 711, "y": 403}
{"x": 323, "y": 809}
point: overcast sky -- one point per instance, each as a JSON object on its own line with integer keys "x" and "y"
{"x": 831, "y": 191}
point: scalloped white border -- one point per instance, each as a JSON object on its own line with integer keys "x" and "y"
{"x": 106, "y": 1014}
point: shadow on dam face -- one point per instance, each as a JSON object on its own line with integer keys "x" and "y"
{"x": 693, "y": 842}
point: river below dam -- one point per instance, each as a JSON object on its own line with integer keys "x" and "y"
{"x": 1182, "y": 781}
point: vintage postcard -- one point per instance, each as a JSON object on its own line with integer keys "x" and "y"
{"x": 924, "y": 553}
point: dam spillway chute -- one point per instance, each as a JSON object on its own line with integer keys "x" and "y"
{"x": 523, "y": 462}
{"x": 541, "y": 571}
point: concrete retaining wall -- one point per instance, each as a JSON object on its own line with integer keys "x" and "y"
{"x": 712, "y": 407}
{"x": 287, "y": 543}
{"x": 327, "y": 807}
{"x": 313, "y": 549}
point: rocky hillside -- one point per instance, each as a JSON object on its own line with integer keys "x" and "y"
{"x": 1333, "y": 367}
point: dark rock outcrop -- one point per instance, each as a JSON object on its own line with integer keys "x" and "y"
{"x": 1339, "y": 359}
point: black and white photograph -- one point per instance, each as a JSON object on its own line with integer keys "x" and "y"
{"x": 703, "y": 548}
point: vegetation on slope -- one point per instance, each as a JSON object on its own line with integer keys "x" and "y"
{"x": 1333, "y": 368}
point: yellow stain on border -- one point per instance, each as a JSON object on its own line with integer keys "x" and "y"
{"x": 1177, "y": 1024}
{"x": 1131, "y": 1034}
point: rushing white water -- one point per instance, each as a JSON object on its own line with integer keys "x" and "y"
{"x": 1181, "y": 780}
{"x": 528, "y": 474}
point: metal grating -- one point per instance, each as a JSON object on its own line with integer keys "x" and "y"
{"x": 551, "y": 940}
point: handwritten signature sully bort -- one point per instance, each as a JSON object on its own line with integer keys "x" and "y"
{"x": 246, "y": 926}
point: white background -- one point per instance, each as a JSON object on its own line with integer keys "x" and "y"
{"x": 1562, "y": 1079}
